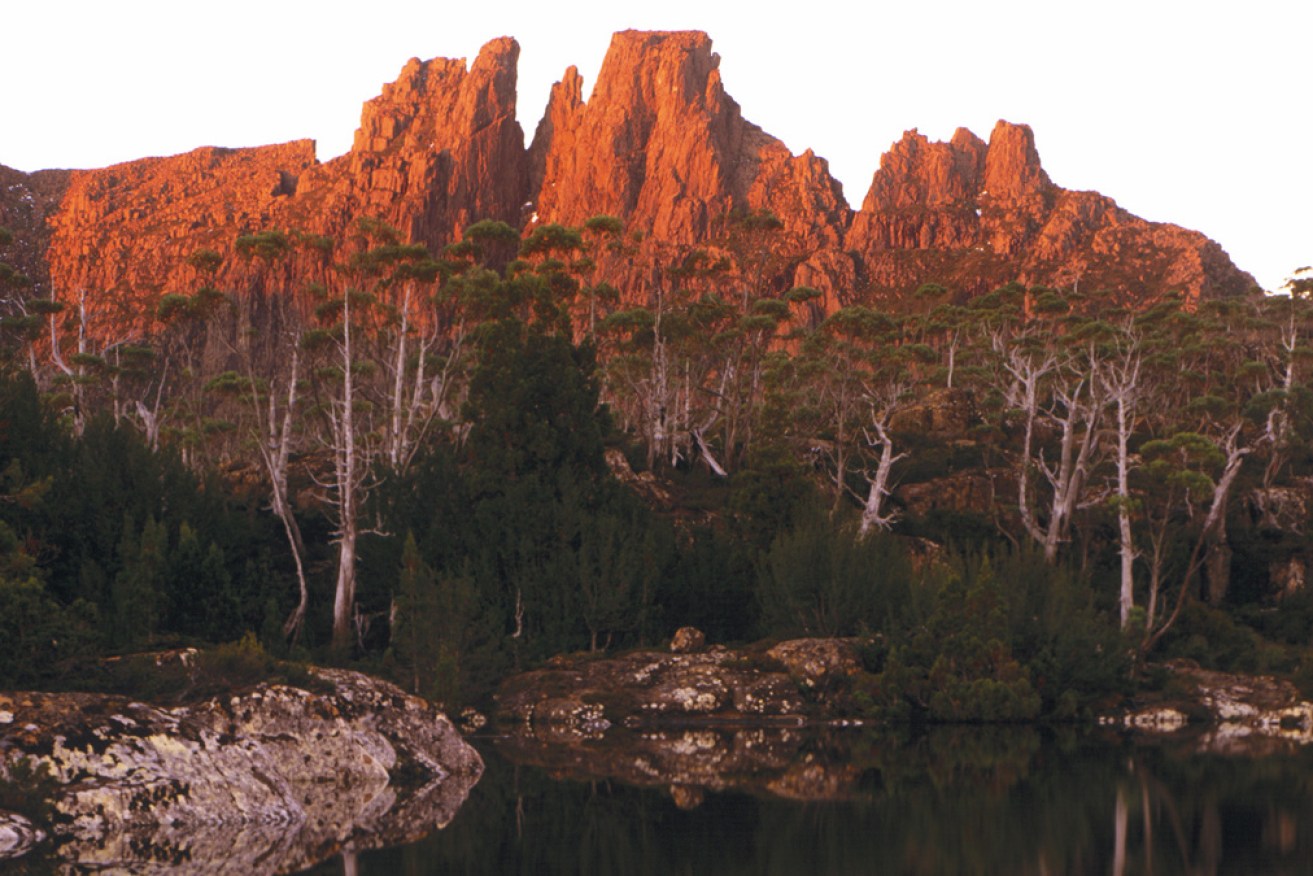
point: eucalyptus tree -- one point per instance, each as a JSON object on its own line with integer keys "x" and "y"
{"x": 663, "y": 360}
{"x": 373, "y": 399}
{"x": 1122, "y": 383}
{"x": 602, "y": 241}
{"x": 1047, "y": 369}
{"x": 856, "y": 377}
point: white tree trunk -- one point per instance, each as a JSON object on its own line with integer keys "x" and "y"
{"x": 873, "y": 514}
{"x": 346, "y": 488}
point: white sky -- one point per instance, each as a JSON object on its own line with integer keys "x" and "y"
{"x": 1196, "y": 112}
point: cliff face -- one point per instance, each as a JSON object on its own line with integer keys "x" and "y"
{"x": 438, "y": 150}
{"x": 123, "y": 234}
{"x": 662, "y": 146}
{"x": 659, "y": 144}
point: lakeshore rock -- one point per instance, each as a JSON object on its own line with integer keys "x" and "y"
{"x": 1237, "y": 713}
{"x": 272, "y": 779}
{"x": 792, "y": 682}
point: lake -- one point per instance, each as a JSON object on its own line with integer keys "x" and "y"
{"x": 988, "y": 800}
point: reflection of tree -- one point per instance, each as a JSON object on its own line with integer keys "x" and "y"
{"x": 954, "y": 800}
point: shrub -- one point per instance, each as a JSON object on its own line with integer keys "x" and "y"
{"x": 820, "y": 579}
{"x": 234, "y": 665}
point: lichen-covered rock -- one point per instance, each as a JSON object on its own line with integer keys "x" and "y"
{"x": 268, "y": 780}
{"x": 815, "y": 661}
{"x": 687, "y": 640}
{"x": 1249, "y": 714}
{"x": 661, "y": 687}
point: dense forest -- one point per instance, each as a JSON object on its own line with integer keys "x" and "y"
{"x": 448, "y": 466}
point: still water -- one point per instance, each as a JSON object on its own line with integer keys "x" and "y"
{"x": 948, "y": 800}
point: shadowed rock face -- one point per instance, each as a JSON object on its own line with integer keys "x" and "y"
{"x": 271, "y": 780}
{"x": 27, "y": 201}
{"x": 659, "y": 143}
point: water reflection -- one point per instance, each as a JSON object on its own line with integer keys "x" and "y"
{"x": 952, "y": 800}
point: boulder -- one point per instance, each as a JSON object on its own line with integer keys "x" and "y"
{"x": 815, "y": 661}
{"x": 687, "y": 640}
{"x": 272, "y": 778}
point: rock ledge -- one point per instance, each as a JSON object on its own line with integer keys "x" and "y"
{"x": 272, "y": 779}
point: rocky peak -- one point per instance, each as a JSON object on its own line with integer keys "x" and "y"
{"x": 649, "y": 145}
{"x": 1012, "y": 168}
{"x": 918, "y": 173}
{"x": 974, "y": 217}
{"x": 438, "y": 149}
{"x": 661, "y": 145}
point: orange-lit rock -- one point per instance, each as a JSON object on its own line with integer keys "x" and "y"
{"x": 123, "y": 233}
{"x": 438, "y": 150}
{"x": 973, "y": 216}
{"x": 659, "y": 143}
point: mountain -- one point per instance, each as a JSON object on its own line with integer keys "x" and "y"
{"x": 659, "y": 144}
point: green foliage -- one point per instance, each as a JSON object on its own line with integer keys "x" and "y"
{"x": 604, "y": 224}
{"x": 1216, "y": 640}
{"x": 36, "y": 630}
{"x": 551, "y": 239}
{"x": 959, "y": 664}
{"x": 232, "y": 666}
{"x": 264, "y": 245}
{"x": 998, "y": 638}
{"x": 491, "y": 243}
{"x": 819, "y": 579}
{"x": 198, "y": 590}
{"x": 1303, "y": 674}
{"x": 617, "y": 569}
{"x": 206, "y": 261}
{"x": 137, "y": 591}
{"x": 430, "y": 622}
